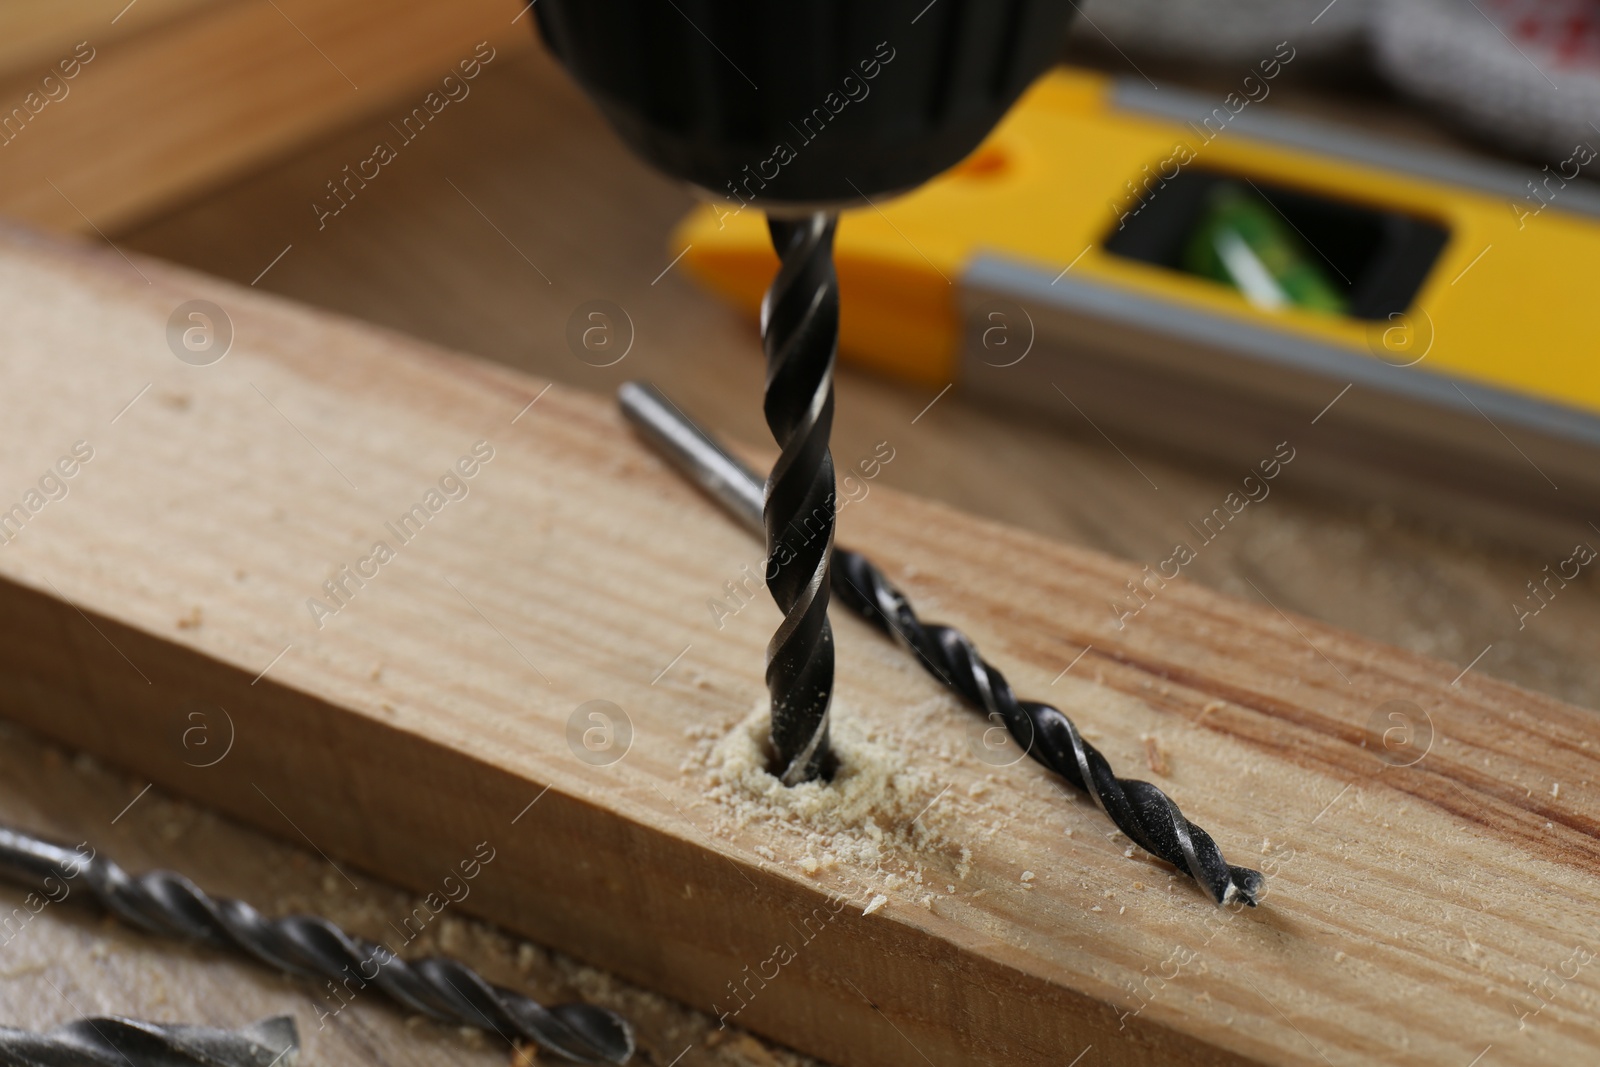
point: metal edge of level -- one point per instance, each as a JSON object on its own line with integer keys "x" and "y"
{"x": 993, "y": 274}
{"x": 1326, "y": 138}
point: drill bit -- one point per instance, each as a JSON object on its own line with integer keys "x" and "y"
{"x": 167, "y": 903}
{"x": 800, "y": 333}
{"x": 1143, "y": 812}
{"x": 1140, "y": 810}
{"x": 113, "y": 1041}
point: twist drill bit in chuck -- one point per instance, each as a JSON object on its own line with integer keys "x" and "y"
{"x": 712, "y": 116}
{"x": 1143, "y": 812}
{"x": 166, "y": 903}
{"x": 112, "y": 1041}
{"x": 800, "y": 331}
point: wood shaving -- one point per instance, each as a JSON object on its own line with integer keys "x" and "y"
{"x": 1155, "y": 757}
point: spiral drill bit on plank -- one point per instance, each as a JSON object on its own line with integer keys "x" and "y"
{"x": 1143, "y": 812}
{"x": 113, "y": 1041}
{"x": 1140, "y": 810}
{"x": 167, "y": 903}
{"x": 800, "y": 332}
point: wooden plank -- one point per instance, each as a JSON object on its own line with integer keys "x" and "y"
{"x": 33, "y": 33}
{"x": 1416, "y": 913}
{"x": 201, "y": 94}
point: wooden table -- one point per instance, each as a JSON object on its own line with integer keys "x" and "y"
{"x": 511, "y": 210}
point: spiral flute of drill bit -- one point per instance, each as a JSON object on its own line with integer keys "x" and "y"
{"x": 1143, "y": 812}
{"x": 166, "y": 903}
{"x": 114, "y": 1041}
{"x": 800, "y": 332}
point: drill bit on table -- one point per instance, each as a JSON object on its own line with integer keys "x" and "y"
{"x": 166, "y": 903}
{"x": 113, "y": 1041}
{"x": 800, "y": 332}
{"x": 1143, "y": 812}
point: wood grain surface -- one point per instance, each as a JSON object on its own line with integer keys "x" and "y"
{"x": 34, "y": 33}
{"x": 1426, "y": 906}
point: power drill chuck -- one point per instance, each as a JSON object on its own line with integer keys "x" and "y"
{"x": 804, "y": 105}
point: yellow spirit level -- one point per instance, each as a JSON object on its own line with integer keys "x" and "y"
{"x": 1445, "y": 324}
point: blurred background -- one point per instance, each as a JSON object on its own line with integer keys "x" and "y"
{"x": 222, "y": 135}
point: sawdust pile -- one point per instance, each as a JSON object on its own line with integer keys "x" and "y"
{"x": 878, "y": 822}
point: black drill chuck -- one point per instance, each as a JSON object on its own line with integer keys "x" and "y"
{"x": 804, "y": 104}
